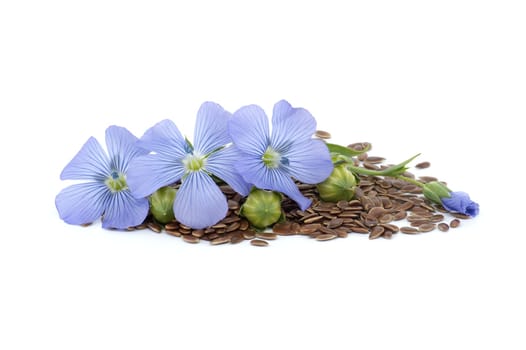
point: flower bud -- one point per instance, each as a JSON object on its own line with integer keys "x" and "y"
{"x": 435, "y": 191}
{"x": 340, "y": 185}
{"x": 162, "y": 203}
{"x": 262, "y": 208}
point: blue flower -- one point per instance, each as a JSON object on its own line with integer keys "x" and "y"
{"x": 270, "y": 162}
{"x": 461, "y": 203}
{"x": 453, "y": 201}
{"x": 107, "y": 193}
{"x": 199, "y": 202}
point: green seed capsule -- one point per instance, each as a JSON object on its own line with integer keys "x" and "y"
{"x": 262, "y": 208}
{"x": 340, "y": 185}
{"x": 162, "y": 203}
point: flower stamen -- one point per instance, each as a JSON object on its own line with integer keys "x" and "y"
{"x": 194, "y": 162}
{"x": 116, "y": 182}
{"x": 273, "y": 159}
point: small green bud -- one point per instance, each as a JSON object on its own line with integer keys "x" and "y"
{"x": 162, "y": 203}
{"x": 435, "y": 190}
{"x": 340, "y": 185}
{"x": 262, "y": 208}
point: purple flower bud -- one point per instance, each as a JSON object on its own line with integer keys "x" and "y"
{"x": 461, "y": 203}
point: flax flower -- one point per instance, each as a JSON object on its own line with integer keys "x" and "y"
{"x": 271, "y": 161}
{"x": 107, "y": 193}
{"x": 199, "y": 202}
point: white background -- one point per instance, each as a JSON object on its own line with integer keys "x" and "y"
{"x": 445, "y": 78}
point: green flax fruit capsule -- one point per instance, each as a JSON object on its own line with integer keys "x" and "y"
{"x": 340, "y": 185}
{"x": 161, "y": 204}
{"x": 435, "y": 190}
{"x": 262, "y": 208}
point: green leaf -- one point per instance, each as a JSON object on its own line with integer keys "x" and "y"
{"x": 393, "y": 171}
{"x": 346, "y": 151}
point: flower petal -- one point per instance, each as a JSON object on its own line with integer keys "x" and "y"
{"x": 309, "y": 162}
{"x": 199, "y": 203}
{"x": 222, "y": 165}
{"x": 253, "y": 171}
{"x": 91, "y": 163}
{"x": 461, "y": 203}
{"x": 123, "y": 210}
{"x": 290, "y": 125}
{"x": 122, "y": 147}
{"x": 146, "y": 174}
{"x": 211, "y": 128}
{"x": 164, "y": 138}
{"x": 249, "y": 130}
{"x": 82, "y": 203}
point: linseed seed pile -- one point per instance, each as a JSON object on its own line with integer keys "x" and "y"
{"x": 379, "y": 203}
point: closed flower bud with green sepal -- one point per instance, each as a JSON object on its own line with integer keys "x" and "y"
{"x": 340, "y": 185}
{"x": 262, "y": 208}
{"x": 162, "y": 204}
{"x": 435, "y": 191}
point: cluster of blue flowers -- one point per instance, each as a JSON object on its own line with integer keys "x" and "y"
{"x": 239, "y": 149}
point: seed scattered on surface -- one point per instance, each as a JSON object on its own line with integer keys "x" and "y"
{"x": 220, "y": 240}
{"x": 322, "y": 134}
{"x": 454, "y": 223}
{"x": 259, "y": 243}
{"x": 377, "y": 203}
{"x": 266, "y": 235}
{"x": 426, "y": 227}
{"x": 155, "y": 227}
{"x": 422, "y": 165}
{"x": 443, "y": 227}
{"x": 408, "y": 230}
{"x": 190, "y": 239}
{"x": 376, "y": 232}
{"x": 326, "y": 236}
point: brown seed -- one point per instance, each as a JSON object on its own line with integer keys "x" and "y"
{"x": 387, "y": 234}
{"x": 233, "y": 205}
{"x": 249, "y": 234}
{"x": 282, "y": 228}
{"x": 399, "y": 215}
{"x": 422, "y": 165}
{"x": 461, "y": 216}
{"x": 391, "y": 227}
{"x": 336, "y": 222}
{"x": 322, "y": 134}
{"x": 426, "y": 227}
{"x": 375, "y": 160}
{"x": 244, "y": 225}
{"x": 259, "y": 243}
{"x": 443, "y": 227}
{"x": 220, "y": 240}
{"x": 155, "y": 227}
{"x": 384, "y": 219}
{"x": 454, "y": 223}
{"x": 190, "y": 239}
{"x": 171, "y": 226}
{"x": 233, "y": 227}
{"x": 408, "y": 230}
{"x": 308, "y": 229}
{"x": 376, "y": 212}
{"x": 313, "y": 219}
{"x": 361, "y": 157}
{"x": 173, "y": 232}
{"x": 198, "y": 233}
{"x": 326, "y": 236}
{"x": 237, "y": 237}
{"x": 376, "y": 232}
{"x": 86, "y": 224}
{"x": 266, "y": 235}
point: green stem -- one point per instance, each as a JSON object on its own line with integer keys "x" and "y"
{"x": 410, "y": 180}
